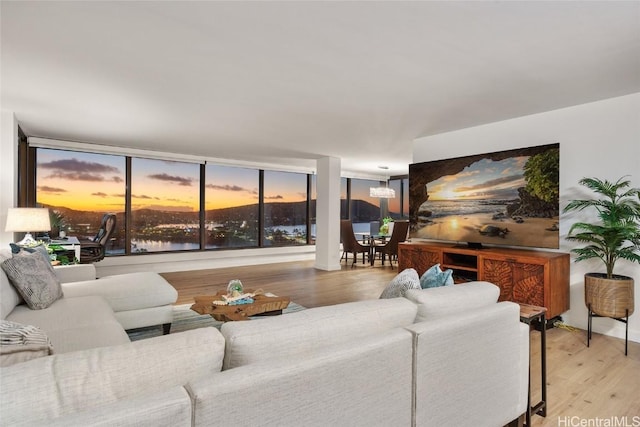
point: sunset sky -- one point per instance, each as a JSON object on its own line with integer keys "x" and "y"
{"x": 485, "y": 179}
{"x": 96, "y": 182}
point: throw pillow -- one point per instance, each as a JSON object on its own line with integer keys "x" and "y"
{"x": 33, "y": 276}
{"x": 21, "y": 250}
{"x": 19, "y": 343}
{"x": 407, "y": 279}
{"x": 435, "y": 277}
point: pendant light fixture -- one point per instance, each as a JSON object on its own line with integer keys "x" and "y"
{"x": 383, "y": 192}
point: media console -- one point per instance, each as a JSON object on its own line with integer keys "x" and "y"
{"x": 532, "y": 277}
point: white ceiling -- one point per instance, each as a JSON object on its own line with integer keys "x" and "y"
{"x": 290, "y": 82}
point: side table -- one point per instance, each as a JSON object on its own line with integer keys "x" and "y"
{"x": 530, "y": 314}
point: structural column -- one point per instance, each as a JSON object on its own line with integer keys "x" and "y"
{"x": 328, "y": 214}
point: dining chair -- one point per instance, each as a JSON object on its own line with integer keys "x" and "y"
{"x": 399, "y": 234}
{"x": 350, "y": 244}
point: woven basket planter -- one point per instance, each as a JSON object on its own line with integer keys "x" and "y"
{"x": 609, "y": 297}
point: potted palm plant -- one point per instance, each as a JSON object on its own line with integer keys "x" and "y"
{"x": 615, "y": 236}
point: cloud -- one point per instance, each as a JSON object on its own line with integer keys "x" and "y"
{"x": 99, "y": 194}
{"x": 47, "y": 189}
{"x": 78, "y": 170}
{"x": 77, "y": 176}
{"x": 172, "y": 178}
{"x": 168, "y": 208}
{"x": 277, "y": 197}
{"x": 227, "y": 187}
{"x": 142, "y": 196}
{"x": 492, "y": 183}
{"x": 117, "y": 179}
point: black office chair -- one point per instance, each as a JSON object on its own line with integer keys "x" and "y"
{"x": 93, "y": 250}
{"x": 399, "y": 234}
{"x": 350, "y": 244}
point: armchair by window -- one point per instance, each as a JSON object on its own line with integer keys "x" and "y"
{"x": 94, "y": 250}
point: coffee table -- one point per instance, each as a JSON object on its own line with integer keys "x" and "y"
{"x": 263, "y": 305}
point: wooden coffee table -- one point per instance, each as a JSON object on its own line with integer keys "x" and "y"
{"x": 263, "y": 305}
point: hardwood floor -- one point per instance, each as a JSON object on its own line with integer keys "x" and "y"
{"x": 582, "y": 383}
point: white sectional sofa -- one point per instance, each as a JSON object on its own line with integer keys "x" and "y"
{"x": 369, "y": 363}
{"x": 93, "y": 312}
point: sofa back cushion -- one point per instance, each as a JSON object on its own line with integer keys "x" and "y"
{"x": 49, "y": 387}
{"x": 446, "y": 300}
{"x": 365, "y": 382}
{"x": 9, "y": 296}
{"x": 301, "y": 334}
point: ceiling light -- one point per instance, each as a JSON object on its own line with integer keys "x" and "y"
{"x": 383, "y": 192}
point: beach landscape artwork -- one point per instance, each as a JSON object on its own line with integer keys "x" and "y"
{"x": 506, "y": 198}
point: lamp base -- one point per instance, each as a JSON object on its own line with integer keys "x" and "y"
{"x": 28, "y": 240}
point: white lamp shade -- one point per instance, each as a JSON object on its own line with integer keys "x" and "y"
{"x": 28, "y": 219}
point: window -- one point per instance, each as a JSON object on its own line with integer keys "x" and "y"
{"x": 399, "y": 206}
{"x": 81, "y": 188}
{"x": 364, "y": 208}
{"x": 344, "y": 211}
{"x": 231, "y": 207}
{"x": 285, "y": 208}
{"x": 170, "y": 207}
{"x": 165, "y": 205}
{"x": 312, "y": 211}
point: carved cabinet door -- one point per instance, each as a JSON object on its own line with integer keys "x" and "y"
{"x": 418, "y": 258}
{"x": 518, "y": 282}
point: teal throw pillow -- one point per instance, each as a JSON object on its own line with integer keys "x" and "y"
{"x": 435, "y": 277}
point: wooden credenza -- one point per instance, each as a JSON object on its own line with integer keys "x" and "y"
{"x": 525, "y": 276}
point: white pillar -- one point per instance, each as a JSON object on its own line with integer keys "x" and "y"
{"x": 8, "y": 171}
{"x": 328, "y": 214}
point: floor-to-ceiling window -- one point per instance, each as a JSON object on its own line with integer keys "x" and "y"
{"x": 180, "y": 206}
{"x": 80, "y": 188}
{"x": 231, "y": 206}
{"x": 344, "y": 199}
{"x": 165, "y": 205}
{"x": 399, "y": 206}
{"x": 363, "y": 207}
{"x": 285, "y": 208}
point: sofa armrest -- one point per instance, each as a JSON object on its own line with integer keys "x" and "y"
{"x": 69, "y": 383}
{"x": 471, "y": 366}
{"x": 75, "y": 272}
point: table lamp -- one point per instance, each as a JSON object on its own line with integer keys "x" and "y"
{"x": 28, "y": 220}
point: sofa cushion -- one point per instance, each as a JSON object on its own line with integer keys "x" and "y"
{"x": 446, "y": 300}
{"x": 69, "y": 383}
{"x": 435, "y": 277}
{"x": 34, "y": 278}
{"x": 301, "y": 334}
{"x": 75, "y": 323}
{"x": 9, "y": 296}
{"x": 405, "y": 280}
{"x": 125, "y": 292}
{"x": 19, "y": 343}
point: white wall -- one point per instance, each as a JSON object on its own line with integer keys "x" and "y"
{"x": 8, "y": 170}
{"x": 599, "y": 139}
